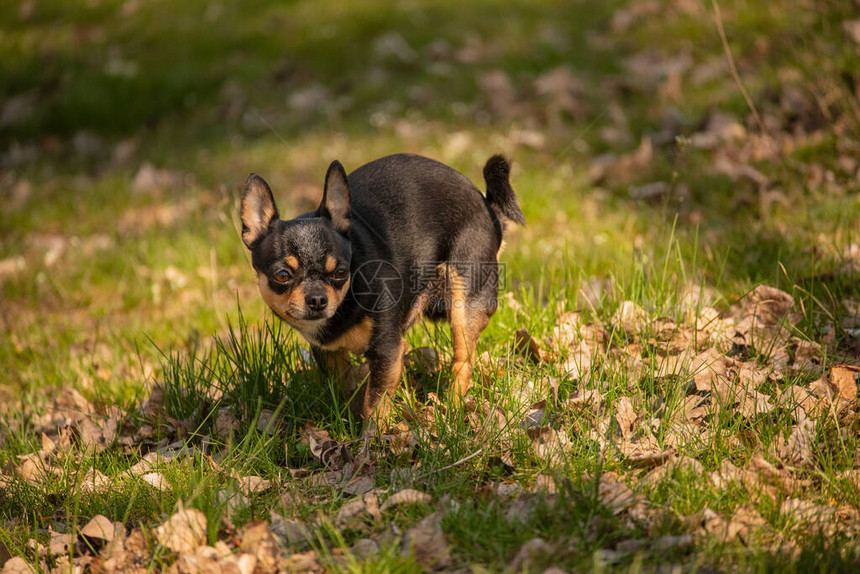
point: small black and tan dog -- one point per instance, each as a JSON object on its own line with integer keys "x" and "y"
{"x": 401, "y": 237}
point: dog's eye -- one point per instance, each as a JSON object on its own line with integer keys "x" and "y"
{"x": 283, "y": 276}
{"x": 340, "y": 274}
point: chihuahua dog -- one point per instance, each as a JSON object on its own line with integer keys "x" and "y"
{"x": 400, "y": 238}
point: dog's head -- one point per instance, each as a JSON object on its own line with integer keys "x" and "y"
{"x": 303, "y": 265}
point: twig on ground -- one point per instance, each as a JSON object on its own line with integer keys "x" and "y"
{"x": 452, "y": 465}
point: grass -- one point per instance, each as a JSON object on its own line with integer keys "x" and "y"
{"x": 113, "y": 287}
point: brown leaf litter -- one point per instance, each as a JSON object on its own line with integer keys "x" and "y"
{"x": 722, "y": 381}
{"x": 259, "y": 547}
{"x": 427, "y": 543}
{"x": 705, "y": 352}
{"x": 742, "y": 525}
{"x": 184, "y": 531}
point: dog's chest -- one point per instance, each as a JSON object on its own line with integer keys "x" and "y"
{"x": 355, "y": 340}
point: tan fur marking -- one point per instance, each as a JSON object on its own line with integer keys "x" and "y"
{"x": 291, "y": 305}
{"x": 330, "y": 263}
{"x": 418, "y": 308}
{"x": 462, "y": 368}
{"x": 285, "y": 306}
{"x": 466, "y": 326}
{"x": 356, "y": 340}
{"x": 335, "y": 296}
{"x": 502, "y": 246}
{"x": 292, "y": 262}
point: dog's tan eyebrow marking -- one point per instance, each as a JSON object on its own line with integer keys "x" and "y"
{"x": 292, "y": 262}
{"x": 330, "y": 263}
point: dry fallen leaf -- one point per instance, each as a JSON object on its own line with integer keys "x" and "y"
{"x": 326, "y": 451}
{"x": 226, "y": 424}
{"x": 630, "y": 317}
{"x": 254, "y": 484}
{"x": 769, "y": 305}
{"x": 364, "y": 548}
{"x": 844, "y": 379}
{"x": 629, "y": 16}
{"x": 797, "y": 450}
{"x": 371, "y": 500}
{"x": 584, "y": 397}
{"x": 406, "y": 497}
{"x": 400, "y": 441}
{"x": 153, "y": 407}
{"x": 359, "y": 486}
{"x": 303, "y": 562}
{"x": 807, "y": 514}
{"x": 289, "y": 531}
{"x": 428, "y": 543}
{"x": 184, "y": 531}
{"x": 726, "y": 474}
{"x": 625, "y": 416}
{"x": 667, "y": 542}
{"x": 150, "y": 179}
{"x": 17, "y": 565}
{"x": 215, "y": 560}
{"x": 545, "y": 483}
{"x": 34, "y": 469}
{"x": 156, "y": 480}
{"x": 61, "y": 543}
{"x": 647, "y": 457}
{"x": 95, "y": 481}
{"x": 763, "y": 475}
{"x": 684, "y": 463}
{"x": 566, "y": 332}
{"x": 534, "y": 416}
{"x": 743, "y": 523}
{"x": 852, "y": 28}
{"x": 97, "y": 437}
{"x": 549, "y": 444}
{"x": 721, "y": 128}
{"x": 100, "y": 527}
{"x": 579, "y": 361}
{"x": 146, "y": 464}
{"x": 268, "y": 422}
{"x": 351, "y": 515}
{"x": 800, "y": 402}
{"x": 615, "y": 494}
{"x": 528, "y": 346}
{"x": 258, "y": 540}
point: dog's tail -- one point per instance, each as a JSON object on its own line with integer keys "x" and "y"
{"x": 500, "y": 194}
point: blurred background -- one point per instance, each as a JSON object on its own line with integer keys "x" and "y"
{"x": 718, "y": 140}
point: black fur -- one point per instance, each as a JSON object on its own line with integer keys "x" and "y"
{"x": 500, "y": 194}
{"x": 408, "y": 214}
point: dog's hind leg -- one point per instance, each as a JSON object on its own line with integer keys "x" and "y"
{"x": 469, "y": 313}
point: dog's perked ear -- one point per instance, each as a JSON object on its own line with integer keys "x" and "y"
{"x": 336, "y": 200}
{"x": 257, "y": 211}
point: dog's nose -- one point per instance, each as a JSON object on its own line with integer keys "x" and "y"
{"x": 316, "y": 302}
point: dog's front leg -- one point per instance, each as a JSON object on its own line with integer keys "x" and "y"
{"x": 385, "y": 358}
{"x": 337, "y": 364}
